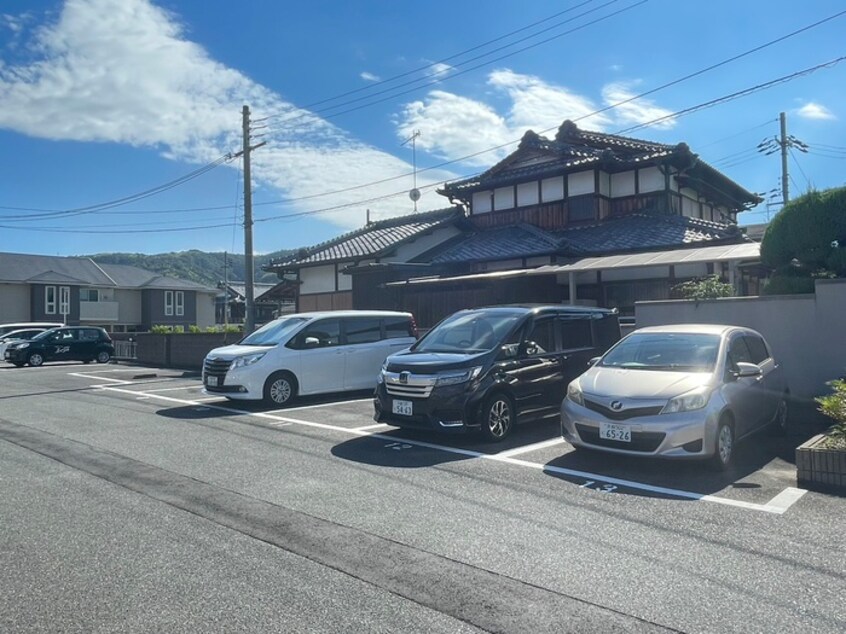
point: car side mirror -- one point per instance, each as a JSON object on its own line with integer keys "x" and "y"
{"x": 508, "y": 351}
{"x": 593, "y": 361}
{"x": 311, "y": 342}
{"x": 528, "y": 348}
{"x": 745, "y": 369}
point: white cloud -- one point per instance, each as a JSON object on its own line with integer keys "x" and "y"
{"x": 439, "y": 70}
{"x": 815, "y": 111}
{"x": 454, "y": 126}
{"x": 122, "y": 71}
{"x": 370, "y": 76}
{"x": 636, "y": 111}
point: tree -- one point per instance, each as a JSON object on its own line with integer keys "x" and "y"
{"x": 807, "y": 239}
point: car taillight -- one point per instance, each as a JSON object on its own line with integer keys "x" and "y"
{"x": 412, "y": 328}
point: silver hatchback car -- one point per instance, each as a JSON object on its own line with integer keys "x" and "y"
{"x": 682, "y": 391}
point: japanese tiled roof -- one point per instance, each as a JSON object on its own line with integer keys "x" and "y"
{"x": 81, "y": 271}
{"x": 538, "y": 156}
{"x": 374, "y": 240}
{"x": 636, "y": 232}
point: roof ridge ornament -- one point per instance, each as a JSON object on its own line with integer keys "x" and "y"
{"x": 530, "y": 139}
{"x": 567, "y": 132}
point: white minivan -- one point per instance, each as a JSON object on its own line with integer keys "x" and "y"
{"x": 308, "y": 353}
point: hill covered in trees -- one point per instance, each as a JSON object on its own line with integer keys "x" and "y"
{"x": 198, "y": 266}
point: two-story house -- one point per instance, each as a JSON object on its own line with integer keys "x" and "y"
{"x": 79, "y": 291}
{"x": 585, "y": 217}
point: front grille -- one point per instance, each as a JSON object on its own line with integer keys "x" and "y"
{"x": 646, "y": 441}
{"x": 409, "y": 385}
{"x": 624, "y": 414}
{"x": 216, "y": 367}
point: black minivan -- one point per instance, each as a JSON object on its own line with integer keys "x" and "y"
{"x": 491, "y": 368}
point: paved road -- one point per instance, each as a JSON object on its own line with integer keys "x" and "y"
{"x": 133, "y": 502}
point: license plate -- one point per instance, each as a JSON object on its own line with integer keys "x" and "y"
{"x": 212, "y": 381}
{"x": 402, "y": 407}
{"x": 620, "y": 433}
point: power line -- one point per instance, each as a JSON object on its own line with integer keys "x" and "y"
{"x": 796, "y": 161}
{"x": 737, "y": 134}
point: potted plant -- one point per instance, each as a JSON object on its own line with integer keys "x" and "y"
{"x": 821, "y": 461}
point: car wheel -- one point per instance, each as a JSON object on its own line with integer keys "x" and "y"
{"x": 103, "y": 356}
{"x": 498, "y": 416}
{"x": 280, "y": 388}
{"x": 723, "y": 446}
{"x": 35, "y": 359}
{"x": 779, "y": 424}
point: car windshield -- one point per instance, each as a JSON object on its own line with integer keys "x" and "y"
{"x": 676, "y": 352}
{"x": 469, "y": 332}
{"x": 273, "y": 333}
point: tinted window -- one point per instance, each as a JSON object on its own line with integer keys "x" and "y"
{"x": 681, "y": 352}
{"x": 64, "y": 335}
{"x": 757, "y": 349}
{"x": 398, "y": 327}
{"x": 363, "y": 329}
{"x": 541, "y": 337}
{"x": 575, "y": 333}
{"x": 89, "y": 334}
{"x": 606, "y": 331}
{"x": 326, "y": 331}
{"x": 739, "y": 351}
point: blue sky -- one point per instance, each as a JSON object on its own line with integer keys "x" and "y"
{"x": 101, "y": 100}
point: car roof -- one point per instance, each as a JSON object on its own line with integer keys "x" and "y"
{"x": 349, "y": 313}
{"x": 704, "y": 329}
{"x": 537, "y": 308}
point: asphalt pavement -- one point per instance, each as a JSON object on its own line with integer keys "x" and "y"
{"x": 134, "y": 502}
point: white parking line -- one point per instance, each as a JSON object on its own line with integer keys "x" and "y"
{"x": 176, "y": 389}
{"x": 527, "y": 448}
{"x": 297, "y": 409}
{"x": 778, "y": 505}
{"x": 376, "y": 426}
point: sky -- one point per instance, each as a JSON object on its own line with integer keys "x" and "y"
{"x": 120, "y": 120}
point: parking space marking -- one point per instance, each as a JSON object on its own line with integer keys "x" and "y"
{"x": 782, "y": 500}
{"x": 786, "y": 498}
{"x": 527, "y": 448}
{"x": 368, "y": 427}
{"x": 176, "y": 389}
{"x": 296, "y": 409}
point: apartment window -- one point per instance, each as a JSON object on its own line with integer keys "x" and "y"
{"x": 50, "y": 300}
{"x": 89, "y": 295}
{"x": 168, "y": 303}
{"x": 180, "y": 303}
{"x": 64, "y": 300}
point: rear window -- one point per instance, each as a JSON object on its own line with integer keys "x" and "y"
{"x": 363, "y": 330}
{"x": 398, "y": 327}
{"x": 87, "y": 334}
{"x": 575, "y": 333}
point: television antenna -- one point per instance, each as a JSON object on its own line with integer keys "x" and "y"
{"x": 414, "y": 194}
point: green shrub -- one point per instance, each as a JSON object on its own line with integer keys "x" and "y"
{"x": 709, "y": 287}
{"x": 788, "y": 285}
{"x": 159, "y": 329}
{"x": 194, "y": 329}
{"x": 834, "y": 406}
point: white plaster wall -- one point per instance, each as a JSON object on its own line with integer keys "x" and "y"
{"x": 344, "y": 281}
{"x": 650, "y": 179}
{"x": 639, "y": 273}
{"x": 504, "y": 198}
{"x": 552, "y": 189}
{"x": 580, "y": 183}
{"x": 691, "y": 270}
{"x": 527, "y": 194}
{"x": 690, "y": 208}
{"x": 317, "y": 279}
{"x": 802, "y": 329}
{"x": 623, "y": 184}
{"x": 14, "y": 303}
{"x": 674, "y": 183}
{"x": 482, "y": 202}
{"x": 129, "y": 305}
{"x": 411, "y": 250}
{"x": 205, "y": 309}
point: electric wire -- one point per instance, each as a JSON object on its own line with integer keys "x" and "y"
{"x": 796, "y": 161}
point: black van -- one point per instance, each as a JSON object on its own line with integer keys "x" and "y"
{"x": 489, "y": 368}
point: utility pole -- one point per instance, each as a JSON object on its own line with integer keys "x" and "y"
{"x": 249, "y": 312}
{"x": 225, "y": 292}
{"x": 785, "y": 192}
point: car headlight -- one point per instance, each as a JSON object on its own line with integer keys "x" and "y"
{"x": 453, "y": 378}
{"x": 689, "y": 401}
{"x": 21, "y": 346}
{"x": 248, "y": 359}
{"x": 574, "y": 393}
